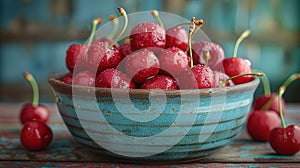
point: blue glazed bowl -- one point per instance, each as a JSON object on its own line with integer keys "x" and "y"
{"x": 150, "y": 126}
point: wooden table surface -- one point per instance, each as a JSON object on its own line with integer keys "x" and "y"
{"x": 66, "y": 152}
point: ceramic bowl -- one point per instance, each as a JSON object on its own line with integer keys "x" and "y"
{"x": 152, "y": 125}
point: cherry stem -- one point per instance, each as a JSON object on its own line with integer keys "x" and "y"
{"x": 244, "y": 35}
{"x": 280, "y": 93}
{"x": 266, "y": 83}
{"x": 199, "y": 24}
{"x": 123, "y": 13}
{"x": 156, "y": 15}
{"x": 115, "y": 28}
{"x": 34, "y": 86}
{"x": 189, "y": 48}
{"x": 94, "y": 25}
{"x": 207, "y": 55}
{"x": 236, "y": 76}
{"x": 293, "y": 77}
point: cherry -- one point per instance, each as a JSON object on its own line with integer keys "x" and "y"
{"x": 125, "y": 49}
{"x": 269, "y": 102}
{"x": 177, "y": 37}
{"x": 33, "y": 111}
{"x": 173, "y": 61}
{"x": 101, "y": 56}
{"x": 285, "y": 140}
{"x": 147, "y": 34}
{"x": 67, "y": 78}
{"x": 76, "y": 53}
{"x": 260, "y": 123}
{"x": 216, "y": 54}
{"x": 84, "y": 78}
{"x": 236, "y": 65}
{"x": 160, "y": 82}
{"x": 112, "y": 78}
{"x": 36, "y": 135}
{"x": 218, "y": 77}
{"x": 141, "y": 65}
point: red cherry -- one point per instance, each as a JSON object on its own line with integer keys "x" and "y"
{"x": 125, "y": 50}
{"x": 216, "y": 54}
{"x": 112, "y": 78}
{"x": 260, "y": 123}
{"x": 84, "y": 78}
{"x": 147, "y": 34}
{"x": 160, "y": 82}
{"x": 218, "y": 77}
{"x": 173, "y": 61}
{"x": 235, "y": 66}
{"x": 107, "y": 42}
{"x": 36, "y": 135}
{"x": 76, "y": 54}
{"x": 262, "y": 100}
{"x": 30, "y": 113}
{"x": 177, "y": 37}
{"x": 33, "y": 111}
{"x": 67, "y": 78}
{"x": 285, "y": 141}
{"x": 141, "y": 65}
{"x": 200, "y": 76}
{"x": 101, "y": 57}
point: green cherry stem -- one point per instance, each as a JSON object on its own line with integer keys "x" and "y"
{"x": 35, "y": 88}
{"x": 244, "y": 35}
{"x": 189, "y": 47}
{"x": 156, "y": 16}
{"x": 280, "y": 93}
{"x": 236, "y": 76}
{"x": 265, "y": 82}
{"x": 207, "y": 56}
{"x": 115, "y": 28}
{"x": 123, "y": 13}
{"x": 94, "y": 25}
{"x": 282, "y": 88}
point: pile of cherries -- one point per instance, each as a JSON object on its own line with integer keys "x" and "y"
{"x": 153, "y": 57}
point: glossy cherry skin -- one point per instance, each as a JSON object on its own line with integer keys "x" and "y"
{"x": 285, "y": 141}
{"x": 141, "y": 65}
{"x": 36, "y": 135}
{"x": 200, "y": 76}
{"x": 101, "y": 57}
{"x": 177, "y": 37}
{"x": 76, "y": 55}
{"x": 260, "y": 101}
{"x": 67, "y": 78}
{"x": 112, "y": 78}
{"x": 161, "y": 82}
{"x": 236, "y": 66}
{"x": 218, "y": 77}
{"x": 173, "y": 61}
{"x": 30, "y": 112}
{"x": 84, "y": 78}
{"x": 125, "y": 50}
{"x": 260, "y": 124}
{"x": 147, "y": 34}
{"x": 216, "y": 53}
{"x": 107, "y": 42}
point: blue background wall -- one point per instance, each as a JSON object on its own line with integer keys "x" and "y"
{"x": 36, "y": 33}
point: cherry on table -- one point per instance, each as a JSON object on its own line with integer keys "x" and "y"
{"x": 269, "y": 102}
{"x": 33, "y": 111}
{"x": 260, "y": 123}
{"x": 36, "y": 135}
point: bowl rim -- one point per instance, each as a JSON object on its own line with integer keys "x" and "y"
{"x": 64, "y": 88}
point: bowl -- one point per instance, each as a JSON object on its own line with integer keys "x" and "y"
{"x": 154, "y": 126}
